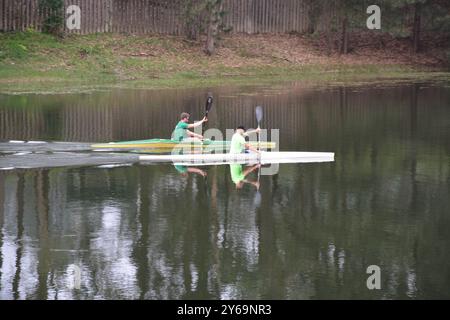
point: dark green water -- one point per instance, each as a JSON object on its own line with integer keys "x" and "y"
{"x": 147, "y": 232}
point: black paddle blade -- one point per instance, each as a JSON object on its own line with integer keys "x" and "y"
{"x": 259, "y": 113}
{"x": 209, "y": 103}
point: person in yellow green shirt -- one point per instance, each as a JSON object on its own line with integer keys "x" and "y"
{"x": 181, "y": 131}
{"x": 239, "y": 145}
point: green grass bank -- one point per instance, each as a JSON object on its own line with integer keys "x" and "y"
{"x": 33, "y": 62}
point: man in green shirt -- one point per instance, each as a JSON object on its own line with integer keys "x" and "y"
{"x": 181, "y": 131}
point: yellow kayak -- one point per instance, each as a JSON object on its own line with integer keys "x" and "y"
{"x": 165, "y": 145}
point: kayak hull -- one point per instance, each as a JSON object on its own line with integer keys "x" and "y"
{"x": 244, "y": 158}
{"x": 165, "y": 146}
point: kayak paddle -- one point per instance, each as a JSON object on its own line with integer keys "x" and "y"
{"x": 259, "y": 116}
{"x": 209, "y": 103}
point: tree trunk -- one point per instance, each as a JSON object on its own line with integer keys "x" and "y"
{"x": 311, "y": 26}
{"x": 192, "y": 32}
{"x": 312, "y": 18}
{"x": 215, "y": 9}
{"x": 344, "y": 37}
{"x": 329, "y": 31}
{"x": 416, "y": 27}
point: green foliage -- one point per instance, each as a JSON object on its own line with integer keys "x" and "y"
{"x": 220, "y": 16}
{"x": 399, "y": 18}
{"x": 398, "y": 14}
{"x": 90, "y": 50}
{"x": 16, "y": 46}
{"x": 436, "y": 15}
{"x": 19, "y": 46}
{"x": 13, "y": 50}
{"x": 53, "y": 9}
{"x": 443, "y": 23}
{"x": 447, "y": 57}
{"x": 196, "y": 15}
{"x": 193, "y": 17}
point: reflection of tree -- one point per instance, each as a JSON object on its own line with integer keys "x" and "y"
{"x": 140, "y": 250}
{"x": 271, "y": 260}
{"x": 309, "y": 118}
{"x": 44, "y": 257}
{"x": 413, "y": 153}
{"x": 149, "y": 233}
{"x": 18, "y": 263}
{"x": 2, "y": 219}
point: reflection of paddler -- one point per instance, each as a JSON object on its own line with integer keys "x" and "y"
{"x": 238, "y": 175}
{"x": 181, "y": 169}
{"x": 185, "y": 170}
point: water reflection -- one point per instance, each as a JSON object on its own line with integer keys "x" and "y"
{"x": 186, "y": 170}
{"x": 149, "y": 232}
{"x": 239, "y": 175}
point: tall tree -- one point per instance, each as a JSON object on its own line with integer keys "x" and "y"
{"x": 417, "y": 26}
{"x": 315, "y": 9}
{"x": 350, "y": 15}
{"x": 215, "y": 12}
{"x": 406, "y": 9}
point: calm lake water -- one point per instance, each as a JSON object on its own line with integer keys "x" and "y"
{"x": 147, "y": 232}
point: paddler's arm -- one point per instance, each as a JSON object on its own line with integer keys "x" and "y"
{"x": 251, "y": 148}
{"x": 194, "y": 135}
{"x": 250, "y": 170}
{"x": 252, "y": 132}
{"x": 253, "y": 183}
{"x": 247, "y": 172}
{"x": 197, "y": 171}
{"x": 247, "y": 145}
{"x": 197, "y": 124}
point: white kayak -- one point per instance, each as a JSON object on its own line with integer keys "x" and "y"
{"x": 243, "y": 158}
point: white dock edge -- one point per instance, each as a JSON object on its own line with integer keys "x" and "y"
{"x": 264, "y": 158}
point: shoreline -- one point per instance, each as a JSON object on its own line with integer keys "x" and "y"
{"x": 62, "y": 86}
{"x": 32, "y": 62}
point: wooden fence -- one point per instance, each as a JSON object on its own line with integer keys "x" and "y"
{"x": 159, "y": 16}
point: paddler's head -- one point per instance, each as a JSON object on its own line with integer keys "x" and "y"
{"x": 240, "y": 130}
{"x": 185, "y": 117}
